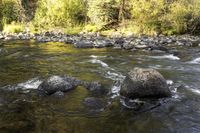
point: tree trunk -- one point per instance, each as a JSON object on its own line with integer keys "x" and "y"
{"x": 1, "y": 16}
{"x": 121, "y": 11}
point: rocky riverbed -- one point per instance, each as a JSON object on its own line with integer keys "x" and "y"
{"x": 156, "y": 44}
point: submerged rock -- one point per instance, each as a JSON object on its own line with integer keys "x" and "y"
{"x": 56, "y": 83}
{"x": 94, "y": 103}
{"x": 95, "y": 87}
{"x": 142, "y": 83}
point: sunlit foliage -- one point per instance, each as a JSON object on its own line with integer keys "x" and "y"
{"x": 61, "y": 13}
{"x": 137, "y": 16}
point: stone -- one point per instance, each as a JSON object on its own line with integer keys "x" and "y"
{"x": 94, "y": 103}
{"x": 100, "y": 43}
{"x": 56, "y": 83}
{"x": 144, "y": 83}
{"x": 95, "y": 87}
{"x": 84, "y": 44}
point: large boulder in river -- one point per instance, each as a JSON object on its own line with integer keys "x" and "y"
{"x": 144, "y": 83}
{"x": 57, "y": 83}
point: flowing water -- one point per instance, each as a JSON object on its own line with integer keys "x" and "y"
{"x": 25, "y": 64}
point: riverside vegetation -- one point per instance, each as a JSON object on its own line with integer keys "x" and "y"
{"x": 150, "y": 17}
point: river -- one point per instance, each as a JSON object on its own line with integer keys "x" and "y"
{"x": 25, "y": 64}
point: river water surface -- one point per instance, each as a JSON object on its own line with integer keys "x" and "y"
{"x": 25, "y": 64}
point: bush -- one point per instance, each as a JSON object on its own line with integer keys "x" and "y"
{"x": 102, "y": 12}
{"x": 14, "y": 28}
{"x": 184, "y": 16}
{"x": 166, "y": 17}
{"x": 9, "y": 11}
{"x": 147, "y": 15}
{"x": 60, "y": 13}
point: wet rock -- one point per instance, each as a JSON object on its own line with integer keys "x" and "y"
{"x": 84, "y": 44}
{"x": 100, "y": 43}
{"x": 141, "y": 83}
{"x": 47, "y": 33}
{"x": 1, "y": 36}
{"x": 175, "y": 52}
{"x": 68, "y": 40}
{"x": 195, "y": 43}
{"x": 11, "y": 37}
{"x": 119, "y": 41}
{"x": 128, "y": 45}
{"x": 56, "y": 83}
{"x": 160, "y": 48}
{"x": 94, "y": 103}
{"x": 58, "y": 94}
{"x": 95, "y": 87}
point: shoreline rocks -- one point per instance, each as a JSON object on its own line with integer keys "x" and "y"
{"x": 86, "y": 40}
{"x": 144, "y": 83}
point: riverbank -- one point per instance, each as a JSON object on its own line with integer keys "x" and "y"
{"x": 115, "y": 40}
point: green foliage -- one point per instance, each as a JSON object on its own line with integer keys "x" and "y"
{"x": 137, "y": 16}
{"x": 184, "y": 16}
{"x": 13, "y": 28}
{"x": 164, "y": 16}
{"x": 73, "y": 30}
{"x": 92, "y": 28}
{"x": 102, "y": 12}
{"x": 147, "y": 15}
{"x": 60, "y": 13}
{"x": 9, "y": 11}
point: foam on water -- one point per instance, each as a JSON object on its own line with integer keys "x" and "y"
{"x": 94, "y": 56}
{"x": 115, "y": 91}
{"x": 114, "y": 76}
{"x": 196, "y": 91}
{"x": 170, "y": 82}
{"x": 171, "y": 57}
{"x": 96, "y": 61}
{"x": 193, "y": 90}
{"x": 195, "y": 61}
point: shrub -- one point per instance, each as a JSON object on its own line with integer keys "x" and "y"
{"x": 60, "y": 13}
{"x": 102, "y": 12}
{"x": 167, "y": 17}
{"x": 14, "y": 28}
{"x": 9, "y": 11}
{"x": 147, "y": 15}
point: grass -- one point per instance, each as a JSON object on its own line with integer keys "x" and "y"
{"x": 14, "y": 28}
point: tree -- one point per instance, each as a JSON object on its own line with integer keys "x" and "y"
{"x": 1, "y": 26}
{"x": 102, "y": 12}
{"x": 121, "y": 11}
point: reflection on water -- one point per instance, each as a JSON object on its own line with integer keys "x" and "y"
{"x": 26, "y": 64}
